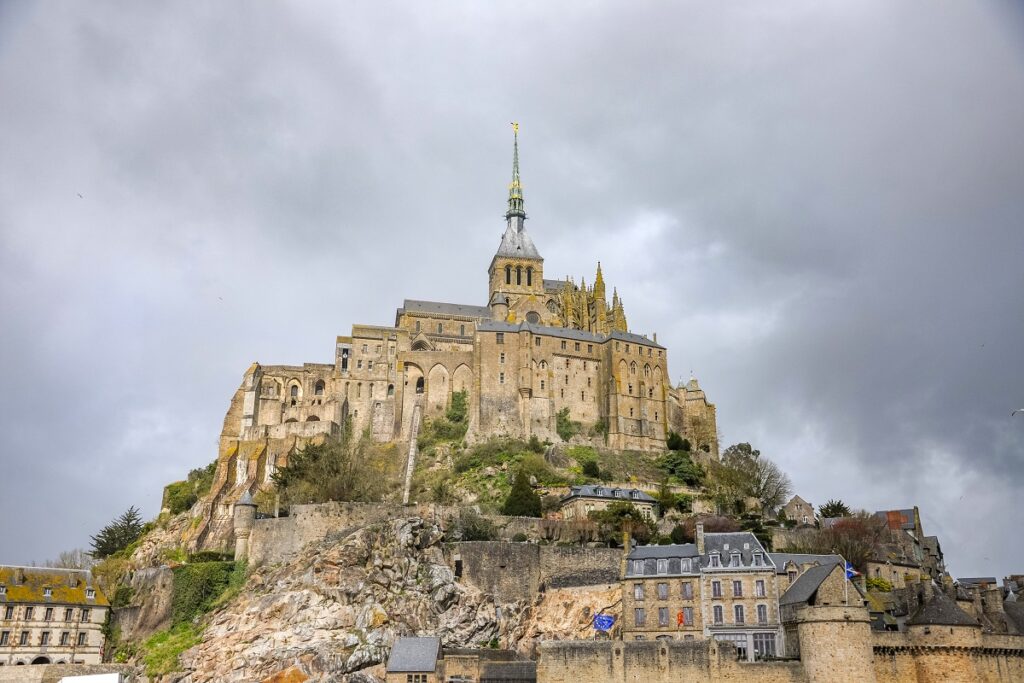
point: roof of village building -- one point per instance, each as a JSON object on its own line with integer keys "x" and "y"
{"x": 800, "y": 559}
{"x": 939, "y": 610}
{"x": 414, "y": 655}
{"x": 725, "y": 544}
{"x": 898, "y": 519}
{"x": 442, "y": 308}
{"x": 977, "y": 581}
{"x": 804, "y": 587}
{"x": 66, "y": 586}
{"x": 1015, "y": 613}
{"x": 598, "y": 491}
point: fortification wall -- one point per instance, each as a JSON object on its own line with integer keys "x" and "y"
{"x": 656, "y": 662}
{"x": 518, "y": 571}
{"x": 53, "y": 673}
{"x": 953, "y": 657}
{"x": 278, "y": 539}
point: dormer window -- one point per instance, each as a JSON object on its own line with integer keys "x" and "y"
{"x": 758, "y": 560}
{"x": 3, "y": 589}
{"x": 662, "y": 566}
{"x": 736, "y": 560}
{"x": 684, "y": 565}
{"x": 716, "y": 560}
{"x": 47, "y": 592}
{"x": 638, "y": 566}
{"x": 90, "y": 594}
{"x": 635, "y": 494}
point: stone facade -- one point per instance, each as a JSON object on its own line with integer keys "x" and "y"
{"x": 799, "y": 510}
{"x": 723, "y": 587}
{"x": 582, "y": 500}
{"x": 539, "y": 349}
{"x": 50, "y": 616}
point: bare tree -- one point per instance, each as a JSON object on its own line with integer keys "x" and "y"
{"x": 72, "y": 559}
{"x": 743, "y": 473}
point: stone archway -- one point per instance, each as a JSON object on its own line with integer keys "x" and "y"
{"x": 41, "y": 660}
{"x": 437, "y": 389}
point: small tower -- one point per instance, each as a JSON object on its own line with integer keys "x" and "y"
{"x": 600, "y": 303}
{"x": 245, "y": 517}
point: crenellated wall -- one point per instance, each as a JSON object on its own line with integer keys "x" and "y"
{"x": 947, "y": 654}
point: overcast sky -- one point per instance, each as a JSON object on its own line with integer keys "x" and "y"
{"x": 817, "y": 206}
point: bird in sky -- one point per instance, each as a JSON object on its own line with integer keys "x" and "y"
{"x": 80, "y": 196}
{"x": 1019, "y": 410}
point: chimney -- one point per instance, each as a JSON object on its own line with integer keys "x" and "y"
{"x": 700, "y": 538}
{"x": 627, "y": 541}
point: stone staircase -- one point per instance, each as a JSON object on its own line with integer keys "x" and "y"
{"x": 414, "y": 432}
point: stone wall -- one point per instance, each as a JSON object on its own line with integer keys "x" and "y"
{"x": 947, "y": 654}
{"x": 53, "y": 673}
{"x": 656, "y": 662}
{"x": 518, "y": 571}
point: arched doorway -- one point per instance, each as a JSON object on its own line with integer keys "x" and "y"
{"x": 41, "y": 660}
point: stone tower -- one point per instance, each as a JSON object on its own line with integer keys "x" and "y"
{"x": 517, "y": 269}
{"x": 245, "y": 517}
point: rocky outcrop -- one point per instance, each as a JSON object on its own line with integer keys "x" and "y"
{"x": 333, "y": 613}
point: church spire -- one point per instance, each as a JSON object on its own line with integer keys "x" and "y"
{"x": 516, "y": 207}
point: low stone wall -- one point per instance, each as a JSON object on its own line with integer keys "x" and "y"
{"x": 518, "y": 571}
{"x": 52, "y": 673}
{"x": 655, "y": 662}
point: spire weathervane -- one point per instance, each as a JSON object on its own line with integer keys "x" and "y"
{"x": 515, "y": 189}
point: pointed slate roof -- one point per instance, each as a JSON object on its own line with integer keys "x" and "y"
{"x": 941, "y": 611}
{"x": 516, "y": 243}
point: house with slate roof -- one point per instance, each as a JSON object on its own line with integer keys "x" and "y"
{"x": 725, "y": 586}
{"x": 50, "y": 616}
{"x": 582, "y": 500}
{"x": 423, "y": 660}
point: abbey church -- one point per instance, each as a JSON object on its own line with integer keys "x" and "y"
{"x": 537, "y": 348}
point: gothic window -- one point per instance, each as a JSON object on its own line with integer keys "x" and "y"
{"x": 419, "y": 385}
{"x": 529, "y": 277}
{"x": 552, "y": 306}
{"x": 543, "y": 365}
{"x": 519, "y": 275}
{"x": 508, "y": 275}
{"x": 462, "y": 330}
{"x": 440, "y": 328}
{"x": 391, "y": 390}
{"x": 647, "y": 371}
{"x": 632, "y": 368}
{"x": 417, "y": 325}
{"x": 319, "y": 389}
{"x": 294, "y": 390}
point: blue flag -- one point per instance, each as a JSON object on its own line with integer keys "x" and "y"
{"x": 603, "y": 622}
{"x": 850, "y": 571}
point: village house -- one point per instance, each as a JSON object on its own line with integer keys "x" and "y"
{"x": 582, "y": 500}
{"x": 50, "y": 616}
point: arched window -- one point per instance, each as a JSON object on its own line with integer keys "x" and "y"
{"x": 290, "y": 419}
{"x": 632, "y": 368}
{"x": 508, "y": 275}
{"x": 391, "y": 390}
{"x": 312, "y": 418}
{"x": 359, "y": 390}
{"x": 440, "y": 328}
{"x": 319, "y": 388}
{"x": 647, "y": 371}
{"x": 371, "y": 389}
{"x": 294, "y": 390}
{"x": 519, "y": 275}
{"x": 419, "y": 385}
{"x": 529, "y": 276}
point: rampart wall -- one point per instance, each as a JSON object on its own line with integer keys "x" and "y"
{"x": 53, "y": 673}
{"x": 946, "y": 654}
{"x": 656, "y": 662}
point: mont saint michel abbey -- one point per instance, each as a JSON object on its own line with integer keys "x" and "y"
{"x": 537, "y": 347}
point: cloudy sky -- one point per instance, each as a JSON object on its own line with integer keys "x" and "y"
{"x": 817, "y": 206}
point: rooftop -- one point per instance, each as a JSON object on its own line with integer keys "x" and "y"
{"x": 804, "y": 587}
{"x": 941, "y": 611}
{"x": 66, "y": 586}
{"x": 414, "y": 655}
{"x": 589, "y": 491}
{"x": 442, "y": 308}
{"x": 800, "y": 559}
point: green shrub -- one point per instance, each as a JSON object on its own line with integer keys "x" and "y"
{"x": 535, "y": 445}
{"x": 677, "y": 443}
{"x": 874, "y": 583}
{"x": 459, "y": 407}
{"x": 196, "y": 587}
{"x": 209, "y": 556}
{"x": 681, "y": 466}
{"x": 519, "y": 538}
{"x": 122, "y": 597}
{"x": 522, "y": 500}
{"x": 473, "y": 527}
{"x": 565, "y": 427}
{"x": 591, "y": 469}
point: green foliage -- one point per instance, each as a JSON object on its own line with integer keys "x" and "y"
{"x": 565, "y": 427}
{"x": 117, "y": 535}
{"x": 755, "y": 524}
{"x": 522, "y": 500}
{"x": 342, "y": 467}
{"x": 834, "y": 508}
{"x": 874, "y": 583}
{"x": 519, "y": 538}
{"x": 443, "y": 491}
{"x": 182, "y": 495}
{"x": 196, "y": 587}
{"x": 743, "y": 474}
{"x": 210, "y": 556}
{"x": 122, "y": 597}
{"x": 622, "y": 516}
{"x": 677, "y": 443}
{"x": 591, "y": 469}
{"x": 161, "y": 652}
{"x": 679, "y": 465}
{"x": 473, "y": 527}
{"x": 600, "y": 428}
{"x": 679, "y": 535}
{"x": 535, "y": 445}
{"x": 459, "y": 407}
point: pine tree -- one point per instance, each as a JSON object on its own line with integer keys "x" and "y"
{"x": 117, "y": 535}
{"x": 522, "y": 501}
